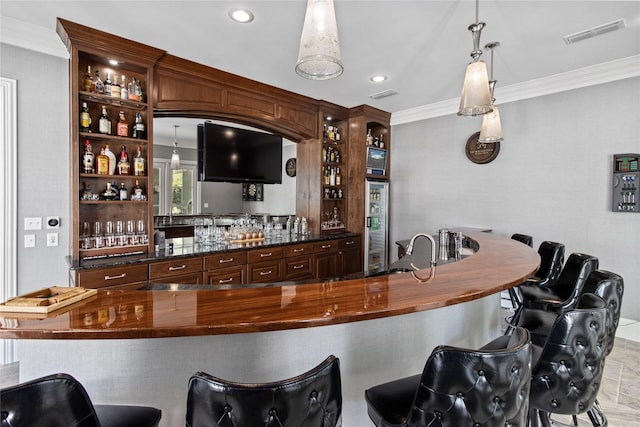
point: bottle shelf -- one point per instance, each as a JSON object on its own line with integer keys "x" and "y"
{"x": 111, "y": 202}
{"x": 114, "y": 177}
{"x": 115, "y": 138}
{"x": 110, "y": 100}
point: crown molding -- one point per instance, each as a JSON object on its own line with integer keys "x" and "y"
{"x": 32, "y": 37}
{"x": 597, "y": 74}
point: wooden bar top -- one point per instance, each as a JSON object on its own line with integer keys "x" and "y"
{"x": 196, "y": 310}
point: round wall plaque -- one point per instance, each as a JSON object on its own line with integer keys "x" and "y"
{"x": 290, "y": 167}
{"x": 481, "y": 152}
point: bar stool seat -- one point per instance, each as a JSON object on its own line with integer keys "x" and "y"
{"x": 460, "y": 387}
{"x": 59, "y": 400}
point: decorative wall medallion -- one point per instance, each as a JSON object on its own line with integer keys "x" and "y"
{"x": 481, "y": 152}
{"x": 290, "y": 167}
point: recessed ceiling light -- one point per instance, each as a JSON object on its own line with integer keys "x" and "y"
{"x": 378, "y": 78}
{"x": 113, "y": 62}
{"x": 241, "y": 15}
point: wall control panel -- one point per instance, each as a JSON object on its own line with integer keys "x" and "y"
{"x": 626, "y": 183}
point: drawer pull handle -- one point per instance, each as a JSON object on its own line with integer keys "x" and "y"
{"x": 119, "y": 276}
{"x": 326, "y": 246}
{"x": 182, "y": 267}
{"x": 350, "y": 242}
{"x": 222, "y": 261}
{"x": 266, "y": 255}
{"x": 297, "y": 267}
{"x": 265, "y": 273}
{"x": 229, "y": 280}
{"x": 298, "y": 250}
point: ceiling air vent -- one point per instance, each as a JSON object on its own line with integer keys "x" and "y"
{"x": 384, "y": 94}
{"x": 595, "y": 31}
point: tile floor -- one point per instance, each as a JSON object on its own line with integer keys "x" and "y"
{"x": 619, "y": 394}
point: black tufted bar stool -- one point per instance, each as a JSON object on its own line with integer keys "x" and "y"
{"x": 460, "y": 387}
{"x": 564, "y": 293}
{"x": 524, "y": 238}
{"x": 312, "y": 399}
{"x": 610, "y": 287}
{"x": 569, "y": 351}
{"x": 59, "y": 400}
{"x": 551, "y": 263}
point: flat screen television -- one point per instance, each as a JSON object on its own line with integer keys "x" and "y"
{"x": 376, "y": 161}
{"x": 229, "y": 154}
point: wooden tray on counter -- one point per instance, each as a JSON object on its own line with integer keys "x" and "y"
{"x": 46, "y": 300}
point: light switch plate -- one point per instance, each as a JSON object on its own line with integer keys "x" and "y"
{"x": 52, "y": 239}
{"x": 33, "y": 223}
{"x": 29, "y": 240}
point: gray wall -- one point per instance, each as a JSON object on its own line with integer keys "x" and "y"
{"x": 552, "y": 178}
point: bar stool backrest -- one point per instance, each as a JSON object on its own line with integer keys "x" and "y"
{"x": 488, "y": 386}
{"x": 54, "y": 401}
{"x": 312, "y": 399}
{"x": 551, "y": 263}
{"x": 610, "y": 287}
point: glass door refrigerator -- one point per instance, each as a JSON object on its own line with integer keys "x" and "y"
{"x": 377, "y": 226}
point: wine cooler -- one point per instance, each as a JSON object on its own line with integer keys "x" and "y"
{"x": 377, "y": 226}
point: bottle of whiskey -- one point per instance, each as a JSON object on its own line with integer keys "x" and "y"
{"x": 88, "y": 158}
{"x": 137, "y": 193}
{"x": 97, "y": 86}
{"x": 338, "y": 177}
{"x": 122, "y": 128}
{"x": 109, "y": 193}
{"x": 123, "y": 162}
{"x": 112, "y": 160}
{"x": 87, "y": 80}
{"x": 85, "y": 118}
{"x": 139, "y": 163}
{"x": 124, "y": 91}
{"x": 104, "y": 124}
{"x": 107, "y": 85}
{"x": 115, "y": 87}
{"x": 138, "y": 127}
{"x": 102, "y": 162}
{"x": 124, "y": 193}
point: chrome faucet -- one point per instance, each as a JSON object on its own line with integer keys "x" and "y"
{"x": 432, "y": 263}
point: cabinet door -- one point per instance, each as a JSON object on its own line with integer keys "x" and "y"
{"x": 349, "y": 256}
{"x": 226, "y": 276}
{"x": 265, "y": 272}
{"x": 299, "y": 267}
{"x": 325, "y": 259}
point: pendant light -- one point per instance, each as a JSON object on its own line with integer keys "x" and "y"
{"x": 491, "y": 130}
{"x": 319, "y": 54}
{"x": 475, "y": 98}
{"x": 175, "y": 157}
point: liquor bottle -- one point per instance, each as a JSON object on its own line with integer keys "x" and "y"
{"x": 88, "y": 158}
{"x": 87, "y": 80}
{"x": 124, "y": 167}
{"x": 109, "y": 193}
{"x": 337, "y": 133}
{"x": 324, "y": 153}
{"x": 107, "y": 85}
{"x": 138, "y": 127}
{"x": 104, "y": 124}
{"x": 124, "y": 193}
{"x": 124, "y": 91}
{"x": 137, "y": 193}
{"x": 332, "y": 155}
{"x": 369, "y": 137}
{"x": 337, "y": 156}
{"x": 139, "y": 163}
{"x": 86, "y": 193}
{"x": 112, "y": 160}
{"x": 332, "y": 177}
{"x": 85, "y": 118}
{"x": 122, "y": 127}
{"x": 97, "y": 86}
{"x": 102, "y": 162}
{"x": 338, "y": 177}
{"x": 135, "y": 90}
{"x": 115, "y": 87}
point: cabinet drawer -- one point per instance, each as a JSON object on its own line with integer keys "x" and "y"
{"x": 298, "y": 250}
{"x": 299, "y": 267}
{"x": 186, "y": 279}
{"x": 224, "y": 260}
{"x": 268, "y": 271}
{"x": 259, "y": 255}
{"x": 113, "y": 276}
{"x": 174, "y": 267}
{"x": 350, "y": 242}
{"x": 226, "y": 276}
{"x": 326, "y": 246}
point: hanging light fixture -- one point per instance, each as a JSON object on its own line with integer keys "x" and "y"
{"x": 475, "y": 98}
{"x": 319, "y": 54}
{"x": 175, "y": 157}
{"x": 491, "y": 130}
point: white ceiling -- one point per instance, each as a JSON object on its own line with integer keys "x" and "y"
{"x": 423, "y": 46}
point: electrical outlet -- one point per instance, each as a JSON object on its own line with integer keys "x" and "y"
{"x": 29, "y": 240}
{"x": 52, "y": 239}
{"x": 33, "y": 223}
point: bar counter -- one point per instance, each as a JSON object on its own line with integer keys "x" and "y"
{"x": 166, "y": 310}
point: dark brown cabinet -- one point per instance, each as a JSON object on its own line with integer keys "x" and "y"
{"x": 180, "y": 270}
{"x": 349, "y": 256}
{"x": 129, "y": 275}
{"x": 325, "y": 259}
